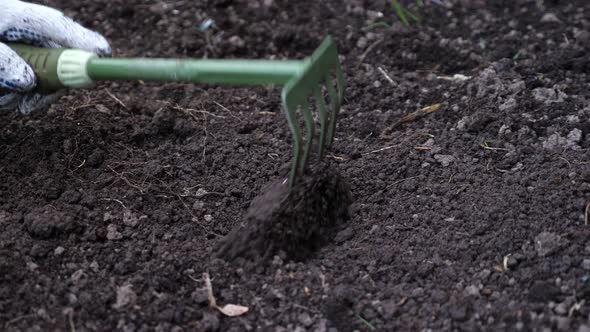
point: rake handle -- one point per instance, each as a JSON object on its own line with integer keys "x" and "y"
{"x": 61, "y": 68}
{"x": 241, "y": 72}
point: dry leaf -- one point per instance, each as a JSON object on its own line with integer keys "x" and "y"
{"x": 232, "y": 310}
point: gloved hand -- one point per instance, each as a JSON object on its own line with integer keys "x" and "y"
{"x": 41, "y": 26}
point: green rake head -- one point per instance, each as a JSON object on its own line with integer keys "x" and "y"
{"x": 317, "y": 80}
{"x": 320, "y": 77}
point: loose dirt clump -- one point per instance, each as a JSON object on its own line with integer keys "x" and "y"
{"x": 296, "y": 223}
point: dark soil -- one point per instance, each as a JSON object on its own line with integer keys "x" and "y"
{"x": 472, "y": 217}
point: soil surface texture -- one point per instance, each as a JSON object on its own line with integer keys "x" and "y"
{"x": 470, "y": 216}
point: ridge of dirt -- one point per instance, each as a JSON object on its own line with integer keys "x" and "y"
{"x": 293, "y": 224}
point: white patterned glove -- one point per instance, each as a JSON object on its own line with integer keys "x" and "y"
{"x": 41, "y": 26}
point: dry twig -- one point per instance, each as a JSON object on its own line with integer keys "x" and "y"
{"x": 117, "y": 99}
{"x": 402, "y": 180}
{"x": 190, "y": 111}
{"x": 126, "y": 180}
{"x": 409, "y": 118}
{"x": 485, "y": 146}
{"x": 369, "y": 49}
{"x": 228, "y": 110}
{"x": 114, "y": 200}
{"x": 384, "y": 73}
{"x": 380, "y": 150}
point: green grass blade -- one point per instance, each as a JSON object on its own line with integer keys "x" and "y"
{"x": 413, "y": 16}
{"x": 366, "y": 323}
{"x": 401, "y": 12}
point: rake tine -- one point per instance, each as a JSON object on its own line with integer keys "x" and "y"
{"x": 290, "y": 114}
{"x": 341, "y": 84}
{"x": 309, "y": 127}
{"x": 336, "y": 99}
{"x": 334, "y": 107}
{"x": 319, "y": 97}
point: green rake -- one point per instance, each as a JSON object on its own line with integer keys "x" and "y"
{"x": 305, "y": 81}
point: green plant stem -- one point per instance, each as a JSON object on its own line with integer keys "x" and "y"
{"x": 406, "y": 15}
{"x": 400, "y": 11}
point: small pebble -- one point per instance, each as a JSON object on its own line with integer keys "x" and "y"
{"x": 561, "y": 309}
{"x": 443, "y": 159}
{"x": 550, "y": 18}
{"x": 472, "y": 290}
{"x": 200, "y": 193}
{"x": 112, "y": 233}
{"x": 59, "y": 250}
{"x": 94, "y": 266}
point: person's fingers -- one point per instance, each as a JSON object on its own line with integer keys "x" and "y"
{"x": 15, "y": 74}
{"x": 8, "y": 100}
{"x": 27, "y": 103}
{"x": 36, "y": 102}
{"x": 43, "y": 26}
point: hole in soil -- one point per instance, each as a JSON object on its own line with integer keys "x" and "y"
{"x": 296, "y": 224}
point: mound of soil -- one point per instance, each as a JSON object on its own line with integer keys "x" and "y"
{"x": 292, "y": 223}
{"x": 113, "y": 203}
